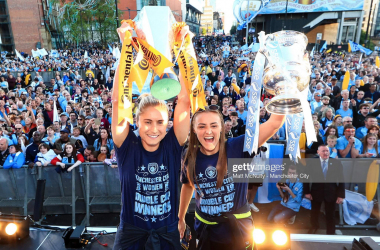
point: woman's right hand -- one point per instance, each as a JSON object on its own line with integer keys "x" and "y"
{"x": 181, "y": 227}
{"x": 62, "y": 165}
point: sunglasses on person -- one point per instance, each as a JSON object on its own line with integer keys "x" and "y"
{"x": 348, "y": 121}
{"x": 18, "y": 128}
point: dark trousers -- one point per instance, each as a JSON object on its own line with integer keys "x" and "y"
{"x": 281, "y": 214}
{"x": 330, "y": 211}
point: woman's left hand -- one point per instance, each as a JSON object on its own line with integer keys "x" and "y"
{"x": 69, "y": 169}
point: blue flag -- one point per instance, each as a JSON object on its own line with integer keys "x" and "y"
{"x": 357, "y": 47}
{"x": 243, "y": 25}
{"x": 324, "y": 46}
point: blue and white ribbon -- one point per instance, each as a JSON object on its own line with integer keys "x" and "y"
{"x": 252, "y": 125}
{"x": 293, "y": 132}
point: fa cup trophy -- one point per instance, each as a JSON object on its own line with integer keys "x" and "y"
{"x": 287, "y": 70}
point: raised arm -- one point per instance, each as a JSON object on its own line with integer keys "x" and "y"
{"x": 181, "y": 120}
{"x": 269, "y": 128}
{"x": 119, "y": 131}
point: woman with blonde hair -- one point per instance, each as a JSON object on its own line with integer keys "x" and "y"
{"x": 148, "y": 168}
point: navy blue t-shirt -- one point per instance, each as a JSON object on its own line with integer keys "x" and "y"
{"x": 149, "y": 181}
{"x": 228, "y": 198}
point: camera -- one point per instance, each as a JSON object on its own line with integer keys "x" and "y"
{"x": 282, "y": 184}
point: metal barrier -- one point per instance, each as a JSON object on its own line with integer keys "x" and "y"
{"x": 95, "y": 187}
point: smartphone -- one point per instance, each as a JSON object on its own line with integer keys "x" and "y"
{"x": 185, "y": 241}
{"x": 281, "y": 184}
{"x": 97, "y": 121}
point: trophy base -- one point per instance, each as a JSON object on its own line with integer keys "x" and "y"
{"x": 284, "y": 104}
{"x": 165, "y": 89}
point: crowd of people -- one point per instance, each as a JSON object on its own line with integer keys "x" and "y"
{"x": 69, "y": 120}
{"x": 344, "y": 119}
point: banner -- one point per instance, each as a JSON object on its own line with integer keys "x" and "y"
{"x": 252, "y": 126}
{"x": 356, "y": 208}
{"x": 35, "y": 54}
{"x": 357, "y": 47}
{"x": 292, "y": 6}
{"x": 293, "y": 133}
{"x": 125, "y": 86}
{"x": 55, "y": 113}
{"x": 242, "y": 11}
{"x": 188, "y": 66}
{"x": 19, "y": 56}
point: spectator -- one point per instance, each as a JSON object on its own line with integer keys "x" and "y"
{"x": 316, "y": 103}
{"x": 325, "y": 104}
{"x": 51, "y": 137}
{"x": 15, "y": 158}
{"x": 362, "y": 131}
{"x": 327, "y": 118}
{"x": 103, "y": 121}
{"x": 227, "y": 129}
{"x": 69, "y": 155}
{"x": 238, "y": 127}
{"x": 370, "y": 146}
{"x": 45, "y": 156}
{"x": 331, "y": 142}
{"x": 62, "y": 141}
{"x": 372, "y": 93}
{"x": 4, "y": 151}
{"x": 242, "y": 113}
{"x": 291, "y": 193}
{"x": 105, "y": 139}
{"x": 86, "y": 152}
{"x": 348, "y": 146}
{"x": 365, "y": 110}
{"x": 331, "y": 130}
{"x": 339, "y": 100}
{"x": 345, "y": 110}
{"x": 32, "y": 149}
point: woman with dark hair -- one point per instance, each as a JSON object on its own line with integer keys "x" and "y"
{"x": 68, "y": 156}
{"x": 331, "y": 130}
{"x": 223, "y": 216}
{"x": 15, "y": 158}
{"x": 104, "y": 140}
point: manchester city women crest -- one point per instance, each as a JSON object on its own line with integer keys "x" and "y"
{"x": 211, "y": 172}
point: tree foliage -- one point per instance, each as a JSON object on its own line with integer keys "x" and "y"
{"x": 83, "y": 22}
{"x": 370, "y": 45}
{"x": 203, "y": 31}
{"x": 233, "y": 29}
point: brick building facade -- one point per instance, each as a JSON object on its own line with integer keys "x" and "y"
{"x": 26, "y": 25}
{"x": 132, "y": 7}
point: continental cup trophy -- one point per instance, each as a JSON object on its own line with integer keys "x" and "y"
{"x": 156, "y": 23}
{"x": 287, "y": 71}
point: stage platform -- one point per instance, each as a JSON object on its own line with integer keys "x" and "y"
{"x": 40, "y": 239}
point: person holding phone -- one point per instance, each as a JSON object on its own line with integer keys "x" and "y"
{"x": 291, "y": 192}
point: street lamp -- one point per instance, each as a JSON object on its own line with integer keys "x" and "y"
{"x": 117, "y": 15}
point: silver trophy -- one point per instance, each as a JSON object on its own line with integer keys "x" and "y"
{"x": 287, "y": 71}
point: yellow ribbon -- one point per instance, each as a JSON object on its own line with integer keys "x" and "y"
{"x": 188, "y": 65}
{"x": 125, "y": 84}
